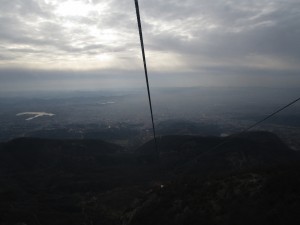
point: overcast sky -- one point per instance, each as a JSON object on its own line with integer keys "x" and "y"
{"x": 47, "y": 44}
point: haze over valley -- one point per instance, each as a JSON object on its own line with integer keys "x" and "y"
{"x": 123, "y": 117}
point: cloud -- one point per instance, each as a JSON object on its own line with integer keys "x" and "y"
{"x": 228, "y": 32}
{"x": 229, "y": 37}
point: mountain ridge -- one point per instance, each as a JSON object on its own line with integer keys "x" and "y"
{"x": 92, "y": 181}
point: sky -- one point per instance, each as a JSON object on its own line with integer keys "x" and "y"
{"x": 94, "y": 44}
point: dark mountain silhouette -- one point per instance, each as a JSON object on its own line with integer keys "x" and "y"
{"x": 68, "y": 181}
{"x": 246, "y": 151}
{"x": 265, "y": 196}
{"x": 193, "y": 154}
{"x": 33, "y": 153}
{"x": 94, "y": 182}
{"x": 253, "y": 178}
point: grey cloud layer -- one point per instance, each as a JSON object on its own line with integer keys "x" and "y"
{"x": 34, "y": 24}
{"x": 228, "y": 29}
{"x": 206, "y": 37}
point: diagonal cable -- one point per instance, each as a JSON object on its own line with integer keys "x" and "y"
{"x": 255, "y": 124}
{"x": 271, "y": 115}
{"x": 146, "y": 72}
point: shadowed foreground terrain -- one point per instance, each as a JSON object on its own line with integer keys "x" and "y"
{"x": 251, "y": 179}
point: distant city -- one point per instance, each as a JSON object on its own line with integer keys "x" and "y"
{"x": 124, "y": 118}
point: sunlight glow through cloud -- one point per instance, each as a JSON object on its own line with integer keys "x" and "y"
{"x": 196, "y": 36}
{"x": 73, "y": 8}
